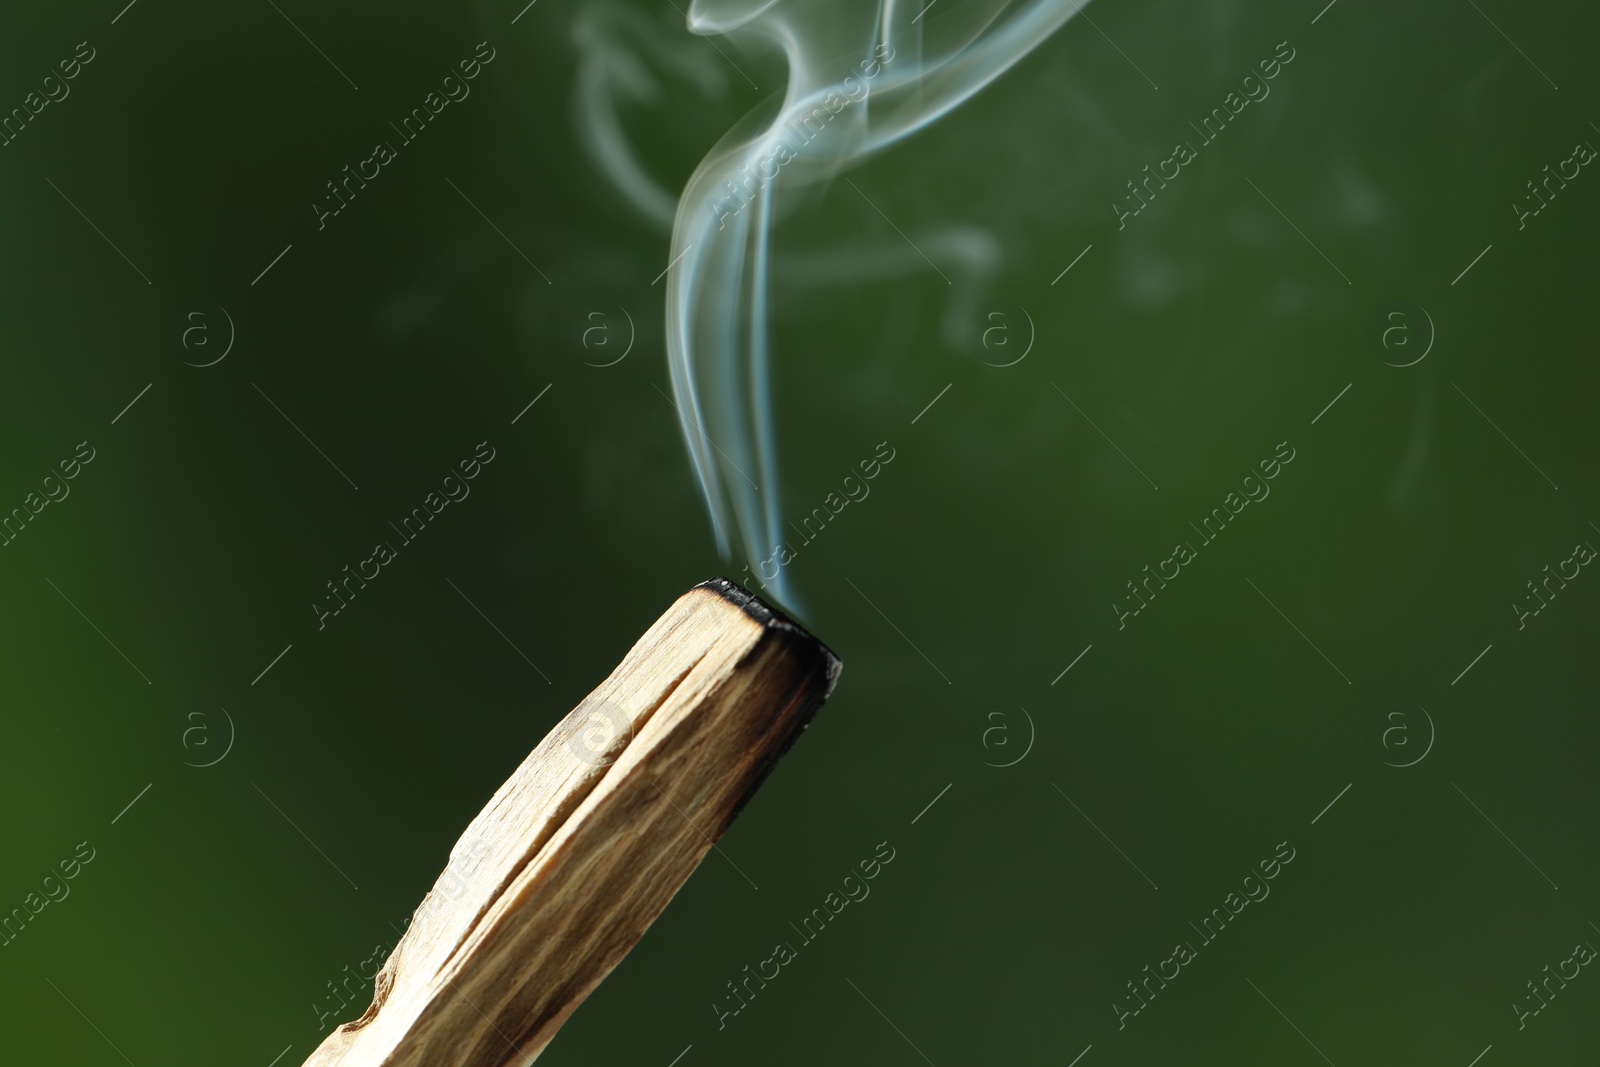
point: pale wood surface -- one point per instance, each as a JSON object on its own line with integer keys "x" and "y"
{"x": 578, "y": 852}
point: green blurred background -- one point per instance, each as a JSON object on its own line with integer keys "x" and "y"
{"x": 1220, "y": 722}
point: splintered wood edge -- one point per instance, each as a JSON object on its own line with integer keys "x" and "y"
{"x": 584, "y": 845}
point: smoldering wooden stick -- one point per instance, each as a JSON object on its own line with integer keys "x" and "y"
{"x": 579, "y": 851}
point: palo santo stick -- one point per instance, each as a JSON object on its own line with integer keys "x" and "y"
{"x": 579, "y": 851}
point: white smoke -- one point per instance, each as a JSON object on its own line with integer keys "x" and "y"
{"x": 861, "y": 76}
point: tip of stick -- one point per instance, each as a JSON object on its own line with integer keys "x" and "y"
{"x": 767, "y": 615}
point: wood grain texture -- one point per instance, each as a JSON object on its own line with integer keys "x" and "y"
{"x": 578, "y": 852}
